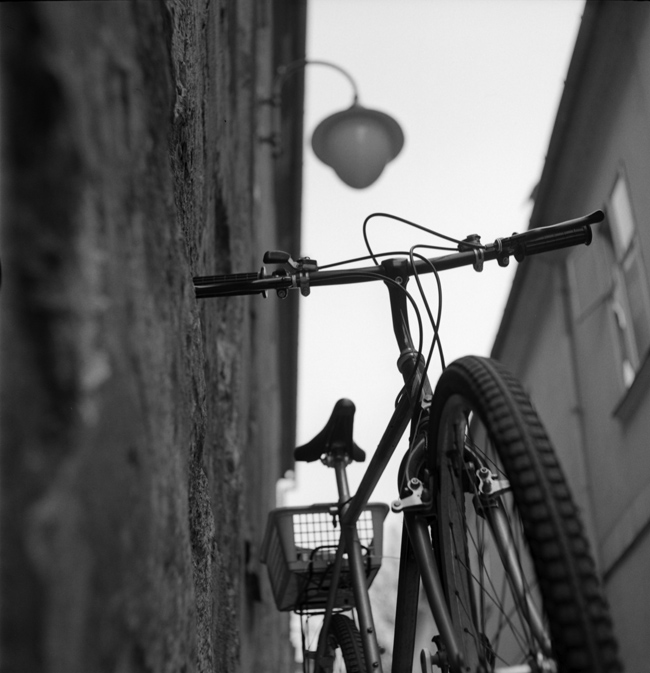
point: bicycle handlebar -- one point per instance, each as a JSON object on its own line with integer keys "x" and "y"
{"x": 303, "y": 273}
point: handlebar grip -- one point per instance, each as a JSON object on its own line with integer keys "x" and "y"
{"x": 239, "y": 284}
{"x": 556, "y": 241}
{"x": 555, "y": 237}
{"x": 201, "y": 281}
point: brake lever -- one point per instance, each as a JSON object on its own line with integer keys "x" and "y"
{"x": 299, "y": 269}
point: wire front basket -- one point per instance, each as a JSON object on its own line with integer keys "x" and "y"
{"x": 300, "y": 547}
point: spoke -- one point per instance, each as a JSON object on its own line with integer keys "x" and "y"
{"x": 504, "y": 617}
{"x": 480, "y": 551}
{"x": 479, "y": 582}
{"x": 521, "y": 629}
{"x": 520, "y": 586}
{"x": 487, "y": 589}
{"x": 488, "y": 556}
{"x": 524, "y": 595}
{"x": 485, "y": 592}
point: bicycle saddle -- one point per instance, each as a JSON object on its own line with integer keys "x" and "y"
{"x": 335, "y": 438}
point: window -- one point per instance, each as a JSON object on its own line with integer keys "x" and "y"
{"x": 630, "y": 296}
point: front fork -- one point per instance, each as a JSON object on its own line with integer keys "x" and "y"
{"x": 419, "y": 563}
{"x": 491, "y": 507}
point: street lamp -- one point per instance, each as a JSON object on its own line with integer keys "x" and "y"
{"x": 356, "y": 143}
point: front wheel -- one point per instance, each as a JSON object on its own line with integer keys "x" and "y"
{"x": 520, "y": 583}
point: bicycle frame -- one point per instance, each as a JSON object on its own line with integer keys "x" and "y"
{"x": 417, "y": 559}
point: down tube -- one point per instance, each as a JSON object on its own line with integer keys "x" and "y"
{"x": 385, "y": 449}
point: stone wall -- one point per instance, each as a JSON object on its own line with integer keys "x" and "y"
{"x": 130, "y": 413}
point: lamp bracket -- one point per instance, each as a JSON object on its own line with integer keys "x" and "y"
{"x": 283, "y": 73}
{"x": 287, "y": 70}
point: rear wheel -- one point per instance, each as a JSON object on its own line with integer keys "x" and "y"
{"x": 344, "y": 647}
{"x": 521, "y": 586}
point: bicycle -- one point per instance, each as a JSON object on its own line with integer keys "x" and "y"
{"x": 490, "y": 531}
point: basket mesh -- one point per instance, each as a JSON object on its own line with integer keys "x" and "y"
{"x": 316, "y": 531}
{"x": 300, "y": 547}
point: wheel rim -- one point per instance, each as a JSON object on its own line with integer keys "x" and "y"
{"x": 494, "y": 617}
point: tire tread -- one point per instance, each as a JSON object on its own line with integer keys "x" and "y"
{"x": 577, "y": 611}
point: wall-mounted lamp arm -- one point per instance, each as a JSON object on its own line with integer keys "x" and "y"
{"x": 357, "y": 142}
{"x": 283, "y": 73}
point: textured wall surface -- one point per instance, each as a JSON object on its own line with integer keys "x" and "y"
{"x": 129, "y": 532}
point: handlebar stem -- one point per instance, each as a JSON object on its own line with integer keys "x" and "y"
{"x": 398, "y": 271}
{"x": 411, "y": 364}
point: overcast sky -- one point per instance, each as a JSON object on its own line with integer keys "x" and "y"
{"x": 475, "y": 85}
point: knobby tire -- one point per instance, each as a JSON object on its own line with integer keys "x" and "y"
{"x": 552, "y": 549}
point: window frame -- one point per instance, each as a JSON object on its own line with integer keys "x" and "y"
{"x": 630, "y": 299}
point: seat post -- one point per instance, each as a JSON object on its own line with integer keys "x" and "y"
{"x": 340, "y": 463}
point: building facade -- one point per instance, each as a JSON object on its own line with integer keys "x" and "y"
{"x": 576, "y": 328}
{"x": 142, "y": 432}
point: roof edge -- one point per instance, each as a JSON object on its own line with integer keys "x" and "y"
{"x": 579, "y": 59}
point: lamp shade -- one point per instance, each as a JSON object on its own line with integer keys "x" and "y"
{"x": 358, "y": 143}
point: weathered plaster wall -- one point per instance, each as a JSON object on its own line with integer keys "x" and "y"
{"x": 127, "y": 167}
